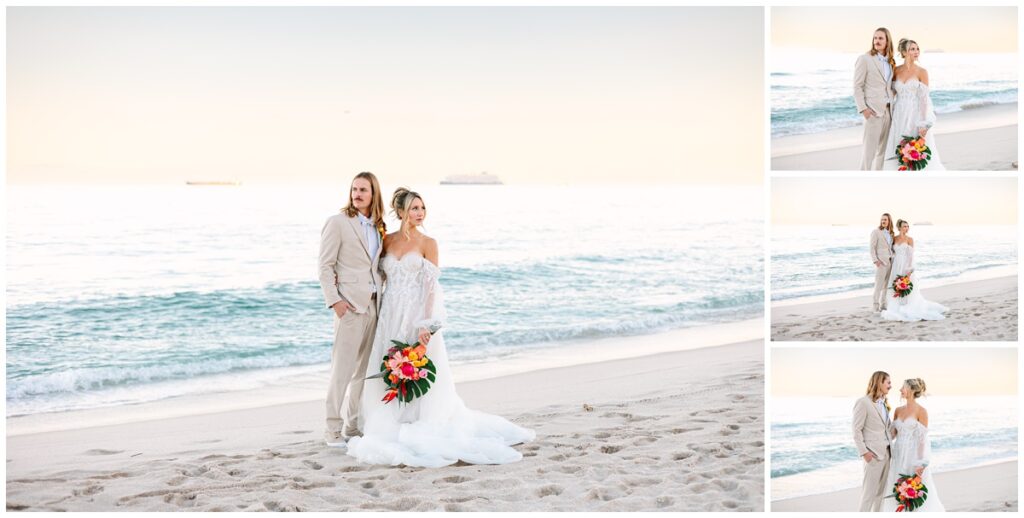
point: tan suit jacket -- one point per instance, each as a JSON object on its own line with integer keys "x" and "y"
{"x": 347, "y": 272}
{"x": 870, "y": 432}
{"x": 881, "y": 250}
{"x": 870, "y": 89}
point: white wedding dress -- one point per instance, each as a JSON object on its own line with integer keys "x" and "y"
{"x": 436, "y": 429}
{"x": 914, "y": 306}
{"x": 911, "y": 449}
{"x": 911, "y": 111}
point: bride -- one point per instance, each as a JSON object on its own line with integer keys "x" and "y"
{"x": 912, "y": 112}
{"x": 436, "y": 429}
{"x": 911, "y": 452}
{"x": 912, "y": 307}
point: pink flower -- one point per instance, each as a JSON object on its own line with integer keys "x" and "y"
{"x": 915, "y": 155}
{"x": 423, "y": 373}
{"x": 408, "y": 369}
{"x": 911, "y": 493}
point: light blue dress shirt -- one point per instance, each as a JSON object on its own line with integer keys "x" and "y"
{"x": 372, "y": 239}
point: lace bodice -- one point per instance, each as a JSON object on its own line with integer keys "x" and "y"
{"x": 902, "y": 259}
{"x": 914, "y": 96}
{"x": 910, "y": 451}
{"x": 412, "y": 294}
{"x": 912, "y": 111}
{"x": 909, "y": 431}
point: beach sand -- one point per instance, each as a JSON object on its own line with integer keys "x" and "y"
{"x": 980, "y": 310}
{"x": 980, "y": 139}
{"x": 985, "y": 488}
{"x": 673, "y": 431}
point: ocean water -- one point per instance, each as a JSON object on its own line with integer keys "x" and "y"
{"x": 813, "y": 450}
{"x": 813, "y": 92}
{"x": 120, "y": 295}
{"x": 823, "y": 260}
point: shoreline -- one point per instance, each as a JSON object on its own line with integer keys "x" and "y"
{"x": 850, "y": 318}
{"x": 308, "y": 383}
{"x": 988, "y": 487}
{"x": 995, "y": 272}
{"x": 644, "y": 433}
{"x": 983, "y": 138}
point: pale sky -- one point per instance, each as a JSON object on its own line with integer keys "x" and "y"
{"x": 842, "y": 371}
{"x": 851, "y": 201}
{"x": 849, "y": 29}
{"x": 270, "y": 95}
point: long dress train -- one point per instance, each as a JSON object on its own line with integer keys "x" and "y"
{"x": 914, "y": 306}
{"x": 436, "y": 429}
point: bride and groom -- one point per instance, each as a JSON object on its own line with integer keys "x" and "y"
{"x": 384, "y": 287}
{"x": 893, "y": 447}
{"x": 894, "y": 101}
{"x": 893, "y": 256}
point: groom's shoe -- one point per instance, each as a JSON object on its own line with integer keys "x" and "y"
{"x": 334, "y": 439}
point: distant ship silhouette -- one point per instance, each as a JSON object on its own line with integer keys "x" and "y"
{"x": 472, "y": 179}
{"x": 231, "y": 183}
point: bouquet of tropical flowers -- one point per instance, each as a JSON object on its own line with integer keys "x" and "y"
{"x": 407, "y": 371}
{"x": 909, "y": 492}
{"x": 913, "y": 154}
{"x": 902, "y": 286}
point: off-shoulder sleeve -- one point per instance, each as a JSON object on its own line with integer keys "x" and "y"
{"x": 433, "y": 315}
{"x": 924, "y": 450}
{"x": 927, "y": 111}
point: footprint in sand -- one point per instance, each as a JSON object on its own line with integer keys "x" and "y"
{"x": 91, "y": 489}
{"x": 726, "y": 485}
{"x": 351, "y": 469}
{"x": 103, "y": 452}
{"x": 683, "y": 455}
{"x": 550, "y": 490}
{"x": 455, "y": 479}
{"x": 313, "y": 465}
{"x": 611, "y": 448}
{"x": 276, "y": 506}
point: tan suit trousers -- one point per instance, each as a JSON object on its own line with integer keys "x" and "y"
{"x": 875, "y": 474}
{"x": 353, "y": 340}
{"x": 876, "y": 134}
{"x": 880, "y": 299}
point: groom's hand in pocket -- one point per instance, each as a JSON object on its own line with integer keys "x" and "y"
{"x": 868, "y": 457}
{"x": 341, "y": 307}
{"x": 868, "y": 113}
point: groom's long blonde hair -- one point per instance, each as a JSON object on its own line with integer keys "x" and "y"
{"x": 875, "y": 385}
{"x": 888, "y": 47}
{"x": 889, "y": 227}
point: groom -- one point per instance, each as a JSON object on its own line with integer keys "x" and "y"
{"x": 871, "y": 435}
{"x": 881, "y": 255}
{"x": 350, "y": 246}
{"x": 872, "y": 91}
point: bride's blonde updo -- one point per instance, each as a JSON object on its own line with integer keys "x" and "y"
{"x": 900, "y": 222}
{"x": 401, "y": 201}
{"x": 916, "y": 386}
{"x": 904, "y": 46}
